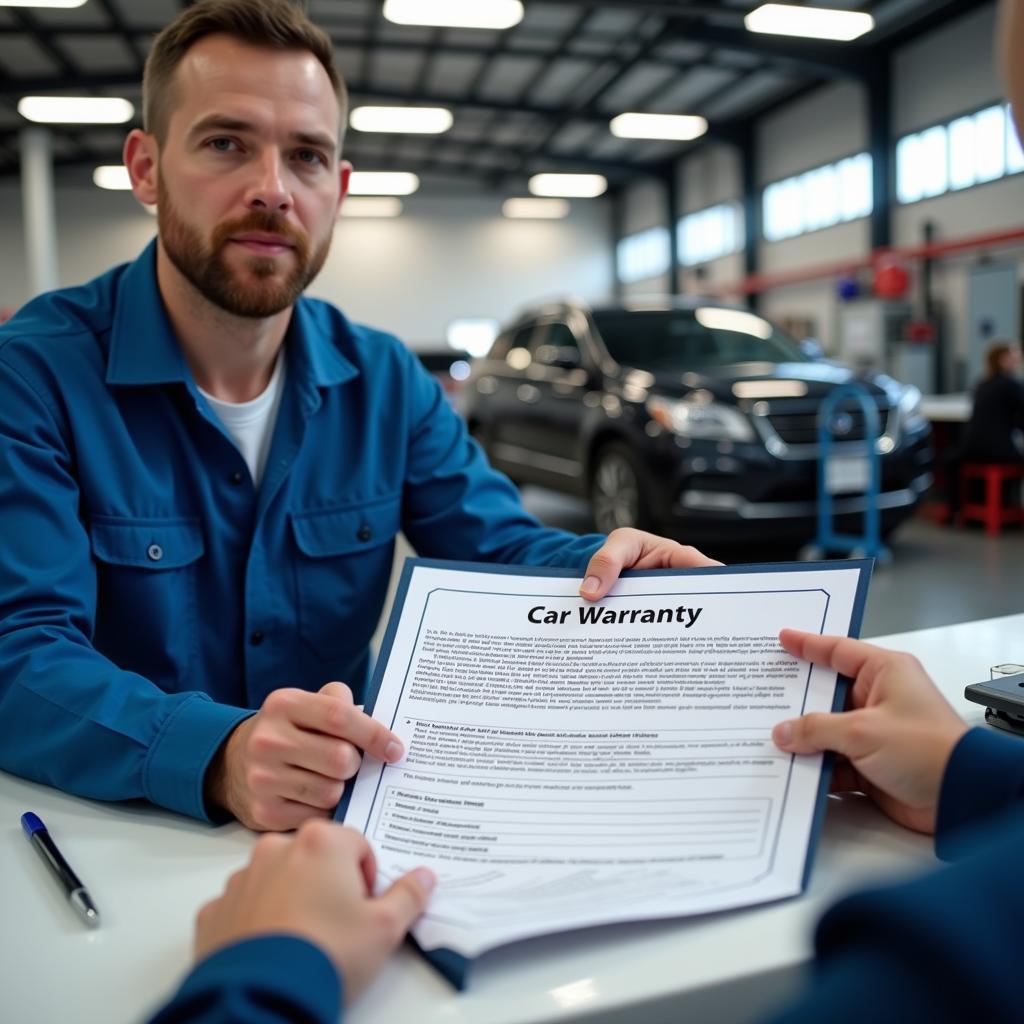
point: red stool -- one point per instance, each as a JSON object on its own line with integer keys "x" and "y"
{"x": 991, "y": 511}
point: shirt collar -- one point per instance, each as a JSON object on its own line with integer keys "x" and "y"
{"x": 144, "y": 349}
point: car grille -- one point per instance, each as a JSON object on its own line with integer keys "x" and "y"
{"x": 802, "y": 427}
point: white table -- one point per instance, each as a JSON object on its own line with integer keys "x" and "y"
{"x": 149, "y": 871}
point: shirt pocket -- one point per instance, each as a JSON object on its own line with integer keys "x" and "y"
{"x": 147, "y": 590}
{"x": 342, "y": 570}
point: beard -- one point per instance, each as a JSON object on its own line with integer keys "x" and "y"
{"x": 264, "y": 288}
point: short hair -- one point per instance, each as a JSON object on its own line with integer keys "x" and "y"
{"x": 278, "y": 24}
{"x": 994, "y": 356}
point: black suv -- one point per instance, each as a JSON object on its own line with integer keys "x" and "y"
{"x": 690, "y": 418}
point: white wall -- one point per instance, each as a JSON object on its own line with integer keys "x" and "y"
{"x": 948, "y": 72}
{"x": 444, "y": 258}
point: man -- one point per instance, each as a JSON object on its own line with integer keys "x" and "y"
{"x": 202, "y": 473}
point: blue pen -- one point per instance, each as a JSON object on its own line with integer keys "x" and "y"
{"x": 73, "y": 888}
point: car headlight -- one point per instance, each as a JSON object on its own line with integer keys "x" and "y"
{"x": 710, "y": 421}
{"x": 909, "y": 407}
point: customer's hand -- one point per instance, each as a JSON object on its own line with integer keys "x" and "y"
{"x": 896, "y": 736}
{"x": 318, "y": 885}
{"x": 290, "y": 760}
{"x": 626, "y": 548}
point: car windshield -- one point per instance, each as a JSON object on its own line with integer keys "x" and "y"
{"x": 693, "y": 339}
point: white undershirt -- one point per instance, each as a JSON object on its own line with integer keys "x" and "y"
{"x": 251, "y": 424}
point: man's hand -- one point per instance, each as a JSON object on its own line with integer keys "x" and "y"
{"x": 317, "y": 885}
{"x": 633, "y": 549}
{"x": 897, "y": 735}
{"x": 289, "y": 762}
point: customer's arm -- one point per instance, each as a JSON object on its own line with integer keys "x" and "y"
{"x": 902, "y": 744}
{"x": 945, "y": 949}
{"x": 293, "y": 930}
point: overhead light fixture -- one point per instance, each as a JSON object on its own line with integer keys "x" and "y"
{"x": 403, "y": 120}
{"x": 112, "y": 176}
{"x": 678, "y": 127}
{"x": 571, "y": 186}
{"x": 75, "y": 109}
{"x": 371, "y": 206}
{"x": 455, "y": 13}
{"x": 382, "y": 183}
{"x": 809, "y": 22}
{"x": 535, "y": 209}
{"x": 41, "y": 3}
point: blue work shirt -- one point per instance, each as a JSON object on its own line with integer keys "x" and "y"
{"x": 150, "y": 595}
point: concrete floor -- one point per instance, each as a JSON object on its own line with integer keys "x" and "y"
{"x": 939, "y": 574}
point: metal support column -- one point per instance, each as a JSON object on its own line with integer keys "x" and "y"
{"x": 747, "y": 144}
{"x": 39, "y": 210}
{"x": 879, "y": 86}
{"x": 672, "y": 202}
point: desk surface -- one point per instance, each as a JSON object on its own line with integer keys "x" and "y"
{"x": 150, "y": 870}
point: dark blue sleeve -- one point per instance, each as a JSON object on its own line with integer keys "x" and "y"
{"x": 944, "y": 948}
{"x": 274, "y": 979}
{"x": 983, "y": 781}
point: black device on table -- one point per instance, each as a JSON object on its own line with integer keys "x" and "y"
{"x": 1003, "y": 698}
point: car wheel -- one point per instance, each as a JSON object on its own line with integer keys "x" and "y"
{"x": 619, "y": 495}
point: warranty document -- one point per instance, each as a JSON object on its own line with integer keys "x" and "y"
{"x": 571, "y": 763}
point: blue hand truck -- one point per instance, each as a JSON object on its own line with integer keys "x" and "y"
{"x": 860, "y": 464}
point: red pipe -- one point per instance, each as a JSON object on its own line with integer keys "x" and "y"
{"x": 763, "y": 282}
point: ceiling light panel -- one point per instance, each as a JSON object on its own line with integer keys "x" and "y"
{"x": 535, "y": 209}
{"x": 677, "y": 127}
{"x": 75, "y": 109}
{"x": 113, "y": 177}
{"x": 493, "y": 14}
{"x": 401, "y": 120}
{"x": 570, "y": 186}
{"x": 809, "y": 22}
{"x": 371, "y": 206}
{"x": 383, "y": 183}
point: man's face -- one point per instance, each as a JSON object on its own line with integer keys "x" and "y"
{"x": 249, "y": 178}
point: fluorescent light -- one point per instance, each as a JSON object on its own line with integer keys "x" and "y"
{"x": 407, "y": 120}
{"x": 810, "y": 22}
{"x": 382, "y": 183}
{"x": 679, "y": 127}
{"x": 572, "y": 186}
{"x": 535, "y": 209}
{"x": 371, "y": 206}
{"x": 41, "y": 3}
{"x": 112, "y": 176}
{"x": 473, "y": 336}
{"x": 75, "y": 109}
{"x": 455, "y": 13}
{"x": 718, "y": 319}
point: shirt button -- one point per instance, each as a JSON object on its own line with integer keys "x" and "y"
{"x": 237, "y": 478}
{"x": 256, "y": 637}
{"x": 365, "y": 533}
{"x": 155, "y": 552}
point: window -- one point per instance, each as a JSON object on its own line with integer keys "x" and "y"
{"x": 708, "y": 234}
{"x": 970, "y": 150}
{"x": 643, "y": 255}
{"x": 818, "y": 198}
